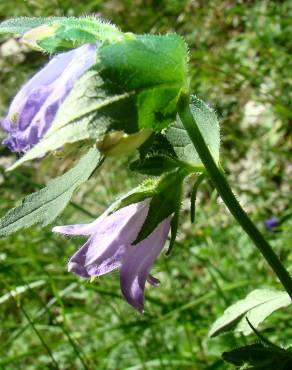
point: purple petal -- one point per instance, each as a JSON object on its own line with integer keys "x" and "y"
{"x": 34, "y": 107}
{"x": 271, "y": 223}
{"x": 137, "y": 262}
{"x": 108, "y": 223}
{"x": 79, "y": 229}
{"x": 111, "y": 236}
{"x": 34, "y": 92}
{"x": 96, "y": 257}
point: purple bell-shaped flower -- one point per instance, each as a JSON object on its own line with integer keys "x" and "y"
{"x": 34, "y": 107}
{"x": 110, "y": 247}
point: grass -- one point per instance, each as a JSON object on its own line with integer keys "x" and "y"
{"x": 239, "y": 64}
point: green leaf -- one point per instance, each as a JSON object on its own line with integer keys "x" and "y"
{"x": 157, "y": 89}
{"x": 259, "y": 356}
{"x": 256, "y": 306}
{"x": 175, "y": 149}
{"x": 86, "y": 114}
{"x": 273, "y": 302}
{"x": 209, "y": 127}
{"x": 45, "y": 205}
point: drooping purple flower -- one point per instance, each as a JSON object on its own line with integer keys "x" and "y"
{"x": 110, "y": 247}
{"x": 271, "y": 223}
{"x": 34, "y": 107}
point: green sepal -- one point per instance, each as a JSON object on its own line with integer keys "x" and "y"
{"x": 157, "y": 144}
{"x": 63, "y": 40}
{"x": 145, "y": 190}
{"x": 43, "y": 206}
{"x": 154, "y": 165}
{"x": 165, "y": 201}
{"x": 73, "y": 32}
{"x": 156, "y": 157}
{"x": 173, "y": 228}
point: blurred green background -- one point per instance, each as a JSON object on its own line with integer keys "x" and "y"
{"x": 240, "y": 65}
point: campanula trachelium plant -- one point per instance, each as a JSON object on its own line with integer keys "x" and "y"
{"x": 117, "y": 93}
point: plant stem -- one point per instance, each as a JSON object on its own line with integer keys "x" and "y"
{"x": 227, "y": 195}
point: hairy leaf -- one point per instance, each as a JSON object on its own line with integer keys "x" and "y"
{"x": 57, "y": 34}
{"x": 73, "y": 32}
{"x": 209, "y": 127}
{"x": 45, "y": 205}
{"x": 256, "y": 306}
{"x": 157, "y": 89}
{"x": 175, "y": 149}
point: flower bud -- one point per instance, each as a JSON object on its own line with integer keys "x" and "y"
{"x": 118, "y": 142}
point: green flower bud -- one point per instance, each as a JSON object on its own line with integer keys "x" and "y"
{"x": 118, "y": 142}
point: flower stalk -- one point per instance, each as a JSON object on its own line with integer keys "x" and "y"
{"x": 227, "y": 195}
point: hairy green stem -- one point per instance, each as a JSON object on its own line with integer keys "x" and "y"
{"x": 227, "y": 195}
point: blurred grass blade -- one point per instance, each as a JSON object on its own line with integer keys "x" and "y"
{"x": 20, "y": 289}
